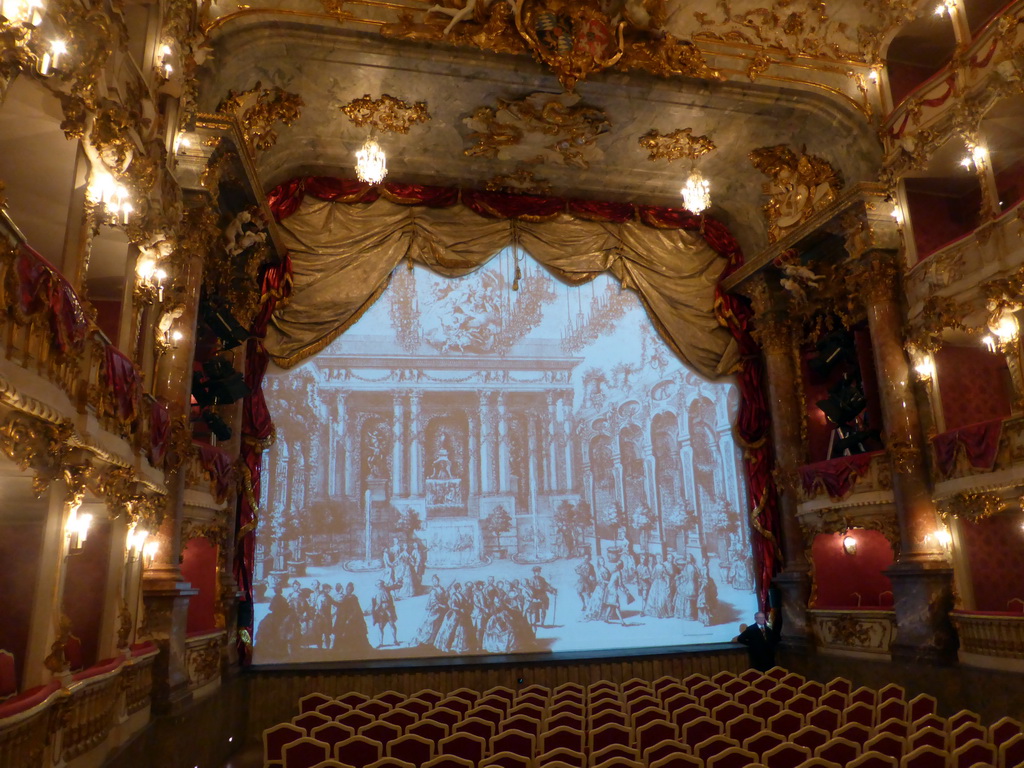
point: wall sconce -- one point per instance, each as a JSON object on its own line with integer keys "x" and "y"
{"x": 946, "y": 6}
{"x": 135, "y": 542}
{"x": 166, "y": 57}
{"x": 114, "y": 199}
{"x": 77, "y": 529}
{"x": 27, "y": 12}
{"x": 149, "y": 550}
{"x": 944, "y": 538}
{"x": 1004, "y": 326}
{"x": 849, "y": 544}
{"x": 50, "y": 61}
{"x": 181, "y": 141}
{"x": 151, "y": 278}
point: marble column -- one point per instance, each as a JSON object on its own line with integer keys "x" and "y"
{"x": 165, "y": 592}
{"x": 922, "y": 576}
{"x": 775, "y": 333}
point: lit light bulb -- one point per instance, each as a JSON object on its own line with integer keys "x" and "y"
{"x": 371, "y": 163}
{"x": 943, "y": 537}
{"x": 925, "y": 367}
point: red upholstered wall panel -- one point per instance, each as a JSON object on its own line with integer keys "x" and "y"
{"x": 993, "y": 548}
{"x": 973, "y": 384}
{"x": 839, "y": 575}
{"x": 108, "y": 317}
{"x": 940, "y": 219}
{"x": 85, "y": 590}
{"x": 199, "y": 566}
{"x": 20, "y": 544}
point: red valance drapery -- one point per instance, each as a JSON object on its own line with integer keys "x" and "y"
{"x": 979, "y": 443}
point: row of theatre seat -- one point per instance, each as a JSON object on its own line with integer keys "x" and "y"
{"x": 777, "y": 720}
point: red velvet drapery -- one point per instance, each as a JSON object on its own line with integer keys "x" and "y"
{"x": 734, "y": 313}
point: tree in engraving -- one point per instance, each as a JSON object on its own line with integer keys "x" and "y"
{"x": 571, "y": 523}
{"x": 494, "y": 525}
{"x": 643, "y": 521}
{"x": 407, "y": 523}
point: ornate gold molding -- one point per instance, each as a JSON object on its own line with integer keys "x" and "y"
{"x": 520, "y": 181}
{"x": 681, "y": 144}
{"x": 800, "y": 185}
{"x": 874, "y": 278}
{"x": 258, "y": 109}
{"x": 632, "y": 38}
{"x": 386, "y": 114}
{"x": 972, "y": 506}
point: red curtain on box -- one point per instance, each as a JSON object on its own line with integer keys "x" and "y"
{"x": 42, "y": 286}
{"x": 124, "y": 381}
{"x": 159, "y": 432}
{"x": 979, "y": 442}
{"x": 838, "y": 476}
{"x": 217, "y": 463}
{"x": 734, "y": 313}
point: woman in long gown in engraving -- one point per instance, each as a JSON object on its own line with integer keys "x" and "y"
{"x": 405, "y": 574}
{"x": 500, "y": 633}
{"x": 659, "y": 599}
{"x": 687, "y": 586}
{"x": 437, "y": 609}
{"x": 452, "y": 637}
{"x": 595, "y": 605}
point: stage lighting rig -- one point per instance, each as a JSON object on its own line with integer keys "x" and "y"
{"x": 218, "y": 384}
{"x": 843, "y": 407}
{"x": 225, "y": 326}
{"x": 835, "y": 348}
{"x": 217, "y": 425}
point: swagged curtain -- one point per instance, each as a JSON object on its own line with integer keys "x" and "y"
{"x": 343, "y": 255}
{"x": 345, "y": 238}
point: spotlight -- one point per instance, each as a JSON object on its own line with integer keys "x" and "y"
{"x": 226, "y": 327}
{"x": 217, "y": 425}
{"x": 225, "y": 383}
{"x": 833, "y": 349}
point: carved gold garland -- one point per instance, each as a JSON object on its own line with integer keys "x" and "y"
{"x": 572, "y": 38}
{"x": 972, "y": 506}
{"x": 386, "y": 114}
{"x": 681, "y": 144}
{"x": 258, "y": 109}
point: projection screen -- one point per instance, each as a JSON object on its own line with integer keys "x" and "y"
{"x": 496, "y": 464}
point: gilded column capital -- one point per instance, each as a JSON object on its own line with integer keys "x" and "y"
{"x": 875, "y": 277}
{"x": 774, "y": 332}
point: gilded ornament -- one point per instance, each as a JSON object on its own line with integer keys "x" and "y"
{"x": 521, "y": 181}
{"x": 57, "y": 661}
{"x": 905, "y": 456}
{"x": 849, "y": 630}
{"x": 124, "y": 625}
{"x": 573, "y": 39}
{"x": 681, "y": 144}
{"x": 540, "y": 128}
{"x": 386, "y": 114}
{"x": 258, "y": 109}
{"x": 972, "y": 506}
{"x": 799, "y": 186}
{"x": 758, "y": 66}
{"x": 873, "y": 278}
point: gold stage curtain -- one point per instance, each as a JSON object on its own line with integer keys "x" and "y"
{"x": 343, "y": 255}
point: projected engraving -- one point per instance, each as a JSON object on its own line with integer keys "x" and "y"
{"x": 495, "y": 464}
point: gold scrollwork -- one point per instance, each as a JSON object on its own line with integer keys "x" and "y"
{"x": 681, "y": 144}
{"x": 520, "y": 181}
{"x": 972, "y": 506}
{"x": 800, "y": 185}
{"x": 904, "y": 456}
{"x": 386, "y": 114}
{"x": 258, "y": 109}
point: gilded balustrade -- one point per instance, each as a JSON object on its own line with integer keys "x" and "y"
{"x": 203, "y": 658}
{"x": 854, "y": 631}
{"x": 991, "y": 639}
{"x": 77, "y": 718}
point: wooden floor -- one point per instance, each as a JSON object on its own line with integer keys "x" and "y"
{"x": 249, "y": 758}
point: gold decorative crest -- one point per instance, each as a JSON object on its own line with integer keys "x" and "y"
{"x": 572, "y": 38}
{"x": 540, "y": 128}
{"x": 386, "y": 114}
{"x": 678, "y": 145}
{"x": 257, "y": 109}
{"x": 800, "y": 185}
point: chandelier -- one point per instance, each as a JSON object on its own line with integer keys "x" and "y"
{"x": 696, "y": 193}
{"x": 371, "y": 163}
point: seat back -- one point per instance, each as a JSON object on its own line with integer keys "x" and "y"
{"x": 786, "y": 755}
{"x": 412, "y": 749}
{"x": 358, "y": 751}
{"x": 305, "y": 753}
{"x": 925, "y": 757}
{"x": 562, "y": 737}
{"x": 276, "y": 737}
{"x": 874, "y": 759}
{"x": 311, "y": 701}
{"x": 731, "y": 757}
{"x": 465, "y": 745}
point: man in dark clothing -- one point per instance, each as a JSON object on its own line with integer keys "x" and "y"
{"x": 760, "y": 639}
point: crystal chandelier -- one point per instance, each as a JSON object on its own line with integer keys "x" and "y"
{"x": 696, "y": 193}
{"x": 371, "y": 163}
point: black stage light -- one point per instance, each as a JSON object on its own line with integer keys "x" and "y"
{"x": 844, "y": 403}
{"x": 226, "y": 384}
{"x": 836, "y": 348}
{"x": 228, "y": 330}
{"x": 216, "y": 424}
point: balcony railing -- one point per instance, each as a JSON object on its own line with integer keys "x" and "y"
{"x": 838, "y": 479}
{"x": 994, "y": 640}
{"x": 77, "y": 717}
{"x": 203, "y": 653}
{"x": 854, "y": 631}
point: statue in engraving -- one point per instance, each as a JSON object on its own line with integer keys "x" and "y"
{"x": 442, "y": 463}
